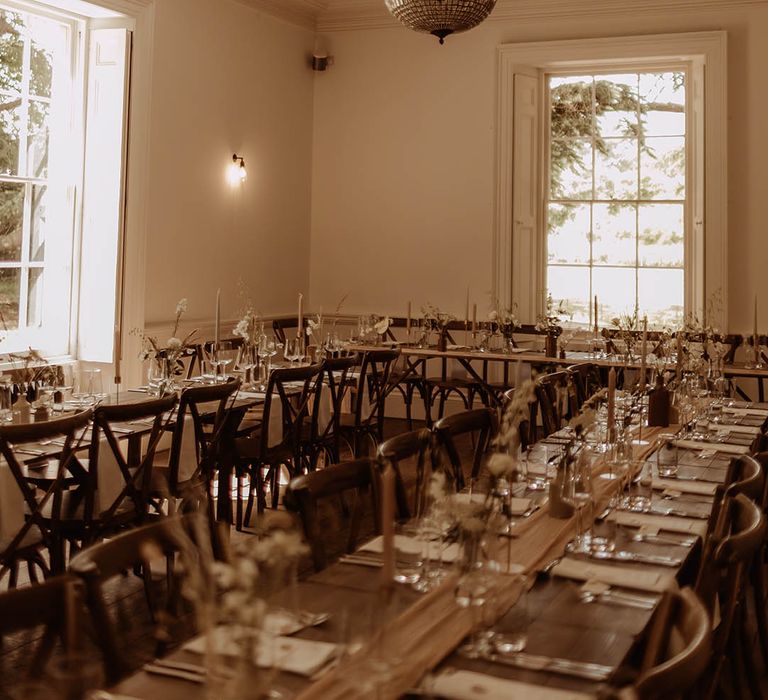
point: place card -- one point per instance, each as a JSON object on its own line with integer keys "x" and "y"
{"x": 670, "y": 523}
{"x": 469, "y": 685}
{"x": 624, "y": 577}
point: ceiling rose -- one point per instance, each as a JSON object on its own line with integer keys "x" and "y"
{"x": 440, "y": 17}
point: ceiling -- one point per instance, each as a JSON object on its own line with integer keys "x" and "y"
{"x": 334, "y": 15}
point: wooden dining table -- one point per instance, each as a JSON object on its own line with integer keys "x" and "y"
{"x": 561, "y": 624}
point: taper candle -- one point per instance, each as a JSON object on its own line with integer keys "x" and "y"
{"x": 643, "y": 353}
{"x": 118, "y": 355}
{"x": 596, "y": 326}
{"x": 408, "y": 320}
{"x": 300, "y": 326}
{"x": 755, "y": 336}
{"x": 474, "y": 318}
{"x": 217, "y": 329}
{"x": 611, "y": 413}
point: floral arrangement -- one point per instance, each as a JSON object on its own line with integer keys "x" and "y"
{"x": 550, "y": 321}
{"x": 505, "y": 320}
{"x": 31, "y": 367}
{"x": 435, "y": 319}
{"x": 382, "y": 325}
{"x": 249, "y": 327}
{"x": 516, "y": 412}
{"x": 627, "y": 326}
{"x": 174, "y": 347}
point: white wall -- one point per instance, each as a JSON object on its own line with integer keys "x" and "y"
{"x": 227, "y": 79}
{"x": 404, "y": 148}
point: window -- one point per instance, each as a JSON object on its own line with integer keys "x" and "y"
{"x": 628, "y": 199}
{"x": 35, "y": 239}
{"x": 615, "y": 211}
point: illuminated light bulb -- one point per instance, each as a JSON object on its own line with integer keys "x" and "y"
{"x": 236, "y": 172}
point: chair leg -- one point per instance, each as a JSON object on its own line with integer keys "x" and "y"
{"x": 757, "y": 576}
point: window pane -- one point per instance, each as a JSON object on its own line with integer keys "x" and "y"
{"x": 37, "y": 144}
{"x": 571, "y": 286}
{"x": 661, "y": 235}
{"x": 571, "y": 104}
{"x": 616, "y": 169}
{"x": 42, "y": 71}
{"x": 35, "y": 297}
{"x": 39, "y": 221}
{"x": 10, "y": 126}
{"x": 662, "y": 99}
{"x": 616, "y": 105}
{"x": 661, "y": 296}
{"x": 571, "y": 169}
{"x": 615, "y": 288}
{"x": 11, "y": 220}
{"x": 11, "y": 51}
{"x": 568, "y": 239}
{"x": 9, "y": 297}
{"x": 614, "y": 237}
{"x": 662, "y": 168}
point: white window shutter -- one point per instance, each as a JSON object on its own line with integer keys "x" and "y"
{"x": 103, "y": 193}
{"x": 527, "y": 234}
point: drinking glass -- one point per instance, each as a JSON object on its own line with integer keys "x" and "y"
{"x": 667, "y": 457}
{"x": 6, "y": 400}
{"x": 579, "y": 490}
{"x": 246, "y": 361}
{"x": 641, "y": 487}
{"x": 291, "y": 352}
{"x": 511, "y": 634}
{"x": 472, "y": 591}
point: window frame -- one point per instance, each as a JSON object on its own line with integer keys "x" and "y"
{"x": 519, "y": 257}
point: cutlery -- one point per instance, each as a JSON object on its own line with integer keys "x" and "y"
{"x": 679, "y": 512}
{"x": 533, "y": 662}
{"x": 617, "y": 598}
{"x": 659, "y": 559}
{"x": 362, "y": 561}
{"x": 663, "y": 539}
{"x": 159, "y": 670}
{"x": 186, "y": 667}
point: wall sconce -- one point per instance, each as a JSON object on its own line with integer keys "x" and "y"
{"x": 237, "y": 172}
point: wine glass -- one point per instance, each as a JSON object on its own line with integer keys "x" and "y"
{"x": 291, "y": 351}
{"x": 246, "y": 361}
{"x": 473, "y": 591}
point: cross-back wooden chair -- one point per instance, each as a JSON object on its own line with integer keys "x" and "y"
{"x": 678, "y": 647}
{"x": 186, "y": 540}
{"x": 196, "y": 445}
{"x": 55, "y": 605}
{"x": 757, "y": 577}
{"x": 127, "y": 504}
{"x": 41, "y": 494}
{"x": 415, "y": 445}
{"x": 527, "y": 427}
{"x": 553, "y": 400}
{"x": 284, "y": 327}
{"x": 744, "y": 475}
{"x": 721, "y": 586}
{"x": 304, "y": 494}
{"x": 292, "y": 388}
{"x": 481, "y": 424}
{"x": 586, "y": 380}
{"x": 333, "y": 388}
{"x": 365, "y": 425}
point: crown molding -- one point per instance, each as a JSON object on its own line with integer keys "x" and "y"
{"x": 303, "y": 13}
{"x": 345, "y": 15}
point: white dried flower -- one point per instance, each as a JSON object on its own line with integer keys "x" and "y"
{"x": 181, "y": 307}
{"x": 382, "y": 326}
{"x": 436, "y": 487}
{"x": 500, "y": 464}
{"x": 493, "y": 315}
{"x": 173, "y": 344}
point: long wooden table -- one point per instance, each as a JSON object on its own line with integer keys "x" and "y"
{"x": 561, "y": 623}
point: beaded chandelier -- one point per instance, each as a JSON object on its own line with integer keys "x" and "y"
{"x": 440, "y": 17}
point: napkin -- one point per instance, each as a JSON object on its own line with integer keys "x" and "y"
{"x": 301, "y": 656}
{"x": 468, "y": 685}
{"x": 670, "y": 523}
{"x": 758, "y": 412}
{"x": 714, "y": 446}
{"x": 411, "y": 545}
{"x": 626, "y": 577}
{"x": 704, "y": 488}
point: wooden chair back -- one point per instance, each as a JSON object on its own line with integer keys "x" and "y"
{"x": 131, "y": 503}
{"x": 187, "y": 538}
{"x": 304, "y": 494}
{"x": 527, "y": 427}
{"x": 552, "y": 400}
{"x": 745, "y": 475}
{"x": 43, "y": 504}
{"x": 417, "y": 445}
{"x": 482, "y": 424}
{"x": 54, "y": 605}
{"x": 334, "y": 381}
{"x": 293, "y": 387}
{"x": 586, "y": 380}
{"x": 288, "y": 326}
{"x": 192, "y": 404}
{"x": 373, "y": 387}
{"x": 679, "y": 647}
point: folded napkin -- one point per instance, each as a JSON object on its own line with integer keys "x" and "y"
{"x": 704, "y": 488}
{"x": 626, "y": 577}
{"x": 714, "y": 446}
{"x": 735, "y": 428}
{"x": 468, "y": 685}
{"x": 670, "y": 523}
{"x": 457, "y": 347}
{"x": 411, "y": 545}
{"x": 761, "y": 412}
{"x": 301, "y": 656}
{"x": 518, "y": 506}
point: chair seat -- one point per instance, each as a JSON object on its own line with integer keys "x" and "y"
{"x": 452, "y": 383}
{"x": 33, "y": 538}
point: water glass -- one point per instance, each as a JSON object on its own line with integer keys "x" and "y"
{"x": 472, "y": 591}
{"x": 641, "y": 488}
{"x": 511, "y": 634}
{"x": 6, "y": 400}
{"x": 667, "y": 458}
